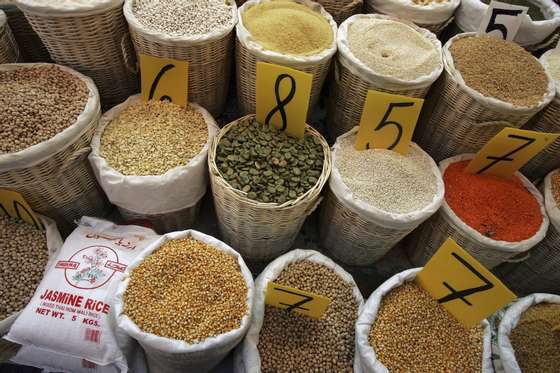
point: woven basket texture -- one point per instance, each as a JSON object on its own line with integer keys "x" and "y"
{"x": 342, "y": 9}
{"x": 261, "y": 231}
{"x": 9, "y": 51}
{"x": 436, "y": 28}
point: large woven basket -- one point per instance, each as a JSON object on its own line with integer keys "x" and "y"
{"x": 168, "y": 222}
{"x": 9, "y": 51}
{"x": 95, "y": 43}
{"x": 261, "y": 231}
{"x": 340, "y": 10}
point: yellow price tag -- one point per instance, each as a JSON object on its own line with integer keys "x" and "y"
{"x": 283, "y": 97}
{"x": 508, "y": 151}
{"x": 462, "y": 285}
{"x": 13, "y": 204}
{"x": 164, "y": 79}
{"x": 388, "y": 121}
{"x": 299, "y": 301}
{"x": 556, "y": 328}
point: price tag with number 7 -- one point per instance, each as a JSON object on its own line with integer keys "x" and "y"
{"x": 388, "y": 122}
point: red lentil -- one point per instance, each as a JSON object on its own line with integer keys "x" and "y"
{"x": 499, "y": 208}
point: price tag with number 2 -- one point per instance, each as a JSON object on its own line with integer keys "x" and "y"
{"x": 164, "y": 79}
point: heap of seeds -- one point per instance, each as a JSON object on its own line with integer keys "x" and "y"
{"x": 289, "y": 342}
{"x": 267, "y": 164}
{"x": 187, "y": 290}
{"x": 392, "y": 48}
{"x": 184, "y": 17}
{"x": 553, "y": 68}
{"x": 556, "y": 187}
{"x": 37, "y": 103}
{"x": 536, "y": 345}
{"x": 23, "y": 257}
{"x": 413, "y": 333}
{"x": 385, "y": 179}
{"x": 151, "y": 138}
{"x": 500, "y": 69}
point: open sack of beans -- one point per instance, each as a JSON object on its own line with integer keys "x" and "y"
{"x": 381, "y": 53}
{"x": 527, "y": 342}
{"x": 295, "y": 33}
{"x": 9, "y": 51}
{"x": 265, "y": 184}
{"x": 71, "y": 312}
{"x": 150, "y": 159}
{"x": 200, "y": 32}
{"x": 187, "y": 300}
{"x": 48, "y": 117}
{"x": 496, "y": 219}
{"x": 403, "y": 329}
{"x": 487, "y": 84}
{"x": 283, "y": 341}
{"x": 375, "y": 198}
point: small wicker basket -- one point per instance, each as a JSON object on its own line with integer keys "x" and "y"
{"x": 341, "y": 10}
{"x": 9, "y": 51}
{"x": 261, "y": 231}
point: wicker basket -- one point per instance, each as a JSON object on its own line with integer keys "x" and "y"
{"x": 9, "y": 51}
{"x": 457, "y": 119}
{"x": 95, "y": 43}
{"x": 341, "y": 10}
{"x": 261, "y": 231}
{"x": 209, "y": 56}
{"x": 248, "y": 53}
{"x": 55, "y": 177}
{"x": 353, "y": 79}
{"x": 168, "y": 222}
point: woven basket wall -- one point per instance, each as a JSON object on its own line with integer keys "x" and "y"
{"x": 97, "y": 45}
{"x": 342, "y": 9}
{"x": 261, "y": 231}
{"x": 436, "y": 28}
{"x": 9, "y": 51}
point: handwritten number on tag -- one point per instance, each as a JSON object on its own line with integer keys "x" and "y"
{"x": 281, "y": 103}
{"x": 507, "y": 157}
{"x": 492, "y": 25}
{"x": 297, "y": 305}
{"x": 384, "y": 122}
{"x": 156, "y": 82}
{"x": 22, "y": 213}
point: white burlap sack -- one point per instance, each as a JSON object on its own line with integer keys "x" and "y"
{"x": 470, "y": 13}
{"x": 357, "y": 67}
{"x": 366, "y": 353}
{"x": 179, "y": 188}
{"x": 74, "y": 7}
{"x": 509, "y": 322}
{"x": 247, "y": 358}
{"x": 433, "y": 13}
{"x": 174, "y": 356}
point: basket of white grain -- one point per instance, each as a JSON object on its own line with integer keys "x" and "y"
{"x": 298, "y": 34}
{"x": 375, "y": 198}
{"x": 529, "y": 337}
{"x": 187, "y": 300}
{"x": 487, "y": 84}
{"x": 382, "y": 53}
{"x": 48, "y": 117}
{"x": 9, "y": 51}
{"x": 496, "y": 219}
{"x": 403, "y": 329}
{"x": 282, "y": 341}
{"x": 199, "y": 32}
{"x": 71, "y": 312}
{"x": 150, "y": 159}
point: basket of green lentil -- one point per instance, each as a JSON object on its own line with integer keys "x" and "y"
{"x": 265, "y": 184}
{"x": 341, "y": 10}
{"x": 403, "y": 329}
{"x": 187, "y": 300}
{"x": 48, "y": 117}
{"x": 283, "y": 341}
{"x": 375, "y": 198}
{"x": 298, "y": 34}
{"x": 150, "y": 158}
{"x": 9, "y": 51}
{"x": 527, "y": 341}
{"x": 487, "y": 84}
{"x": 382, "y": 53}
{"x": 200, "y": 32}
{"x": 495, "y": 219}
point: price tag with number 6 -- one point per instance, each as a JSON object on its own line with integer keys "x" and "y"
{"x": 164, "y": 79}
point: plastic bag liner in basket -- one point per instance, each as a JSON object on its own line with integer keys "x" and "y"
{"x": 445, "y": 223}
{"x": 209, "y": 55}
{"x": 248, "y": 52}
{"x": 247, "y": 358}
{"x": 357, "y": 233}
{"x": 340, "y": 10}
{"x": 353, "y": 79}
{"x": 9, "y": 51}
{"x": 54, "y": 176}
{"x": 170, "y": 200}
{"x": 261, "y": 231}
{"x": 540, "y": 272}
{"x": 365, "y": 352}
{"x": 457, "y": 119}
{"x": 531, "y": 34}
{"x": 166, "y": 355}
{"x": 509, "y": 322}
{"x": 54, "y": 243}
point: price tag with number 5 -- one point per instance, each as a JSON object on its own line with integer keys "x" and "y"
{"x": 388, "y": 121}
{"x": 502, "y": 20}
{"x": 164, "y": 79}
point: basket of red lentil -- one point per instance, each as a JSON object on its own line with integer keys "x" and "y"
{"x": 487, "y": 84}
{"x": 494, "y": 218}
{"x": 9, "y": 51}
